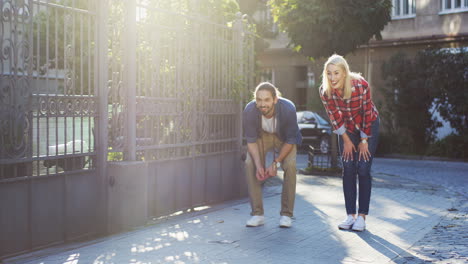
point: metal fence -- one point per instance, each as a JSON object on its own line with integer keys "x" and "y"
{"x": 83, "y": 82}
{"x": 48, "y": 95}
{"x": 189, "y": 75}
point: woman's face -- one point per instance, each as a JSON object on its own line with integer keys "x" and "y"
{"x": 336, "y": 76}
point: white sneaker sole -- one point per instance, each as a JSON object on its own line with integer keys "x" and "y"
{"x": 358, "y": 229}
{"x": 260, "y": 224}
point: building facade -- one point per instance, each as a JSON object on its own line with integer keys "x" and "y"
{"x": 415, "y": 25}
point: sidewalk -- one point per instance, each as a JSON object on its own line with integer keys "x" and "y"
{"x": 402, "y": 213}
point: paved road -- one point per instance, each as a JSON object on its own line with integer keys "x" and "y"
{"x": 451, "y": 175}
{"x": 447, "y": 242}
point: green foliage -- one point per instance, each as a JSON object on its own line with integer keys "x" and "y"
{"x": 314, "y": 103}
{"x": 320, "y": 28}
{"x": 452, "y": 146}
{"x": 415, "y": 89}
{"x": 449, "y": 77}
{"x": 114, "y": 156}
{"x": 406, "y": 111}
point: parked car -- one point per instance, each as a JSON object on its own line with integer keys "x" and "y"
{"x": 315, "y": 130}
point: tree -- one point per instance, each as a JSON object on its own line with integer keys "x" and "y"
{"x": 406, "y": 113}
{"x": 320, "y": 28}
{"x": 449, "y": 77}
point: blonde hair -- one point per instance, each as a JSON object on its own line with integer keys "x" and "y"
{"x": 339, "y": 61}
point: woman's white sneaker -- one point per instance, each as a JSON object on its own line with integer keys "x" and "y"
{"x": 256, "y": 220}
{"x": 359, "y": 224}
{"x": 347, "y": 223}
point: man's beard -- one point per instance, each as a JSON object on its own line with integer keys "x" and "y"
{"x": 265, "y": 110}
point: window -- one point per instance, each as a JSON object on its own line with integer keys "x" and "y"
{"x": 267, "y": 75}
{"x": 453, "y": 6}
{"x": 404, "y": 9}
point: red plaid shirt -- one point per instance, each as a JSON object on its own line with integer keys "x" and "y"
{"x": 356, "y": 113}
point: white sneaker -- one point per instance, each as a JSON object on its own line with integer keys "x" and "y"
{"x": 256, "y": 220}
{"x": 347, "y": 223}
{"x": 285, "y": 221}
{"x": 360, "y": 224}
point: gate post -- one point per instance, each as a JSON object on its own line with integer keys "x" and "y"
{"x": 130, "y": 35}
{"x": 239, "y": 38}
{"x": 103, "y": 116}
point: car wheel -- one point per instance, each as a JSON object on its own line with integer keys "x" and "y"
{"x": 324, "y": 145}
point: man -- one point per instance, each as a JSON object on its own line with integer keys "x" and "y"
{"x": 270, "y": 123}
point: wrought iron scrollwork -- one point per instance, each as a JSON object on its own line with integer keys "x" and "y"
{"x": 15, "y": 70}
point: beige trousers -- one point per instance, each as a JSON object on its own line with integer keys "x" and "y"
{"x": 266, "y": 143}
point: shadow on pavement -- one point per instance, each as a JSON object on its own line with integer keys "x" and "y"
{"x": 385, "y": 247}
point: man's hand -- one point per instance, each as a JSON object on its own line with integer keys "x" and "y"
{"x": 261, "y": 174}
{"x": 272, "y": 170}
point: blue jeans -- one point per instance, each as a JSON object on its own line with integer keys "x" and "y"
{"x": 362, "y": 169}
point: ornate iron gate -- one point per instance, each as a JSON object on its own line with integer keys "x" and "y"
{"x": 48, "y": 106}
{"x": 83, "y": 82}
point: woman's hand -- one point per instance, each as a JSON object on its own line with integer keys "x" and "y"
{"x": 364, "y": 151}
{"x": 348, "y": 150}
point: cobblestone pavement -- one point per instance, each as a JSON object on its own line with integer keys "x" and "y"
{"x": 448, "y": 240}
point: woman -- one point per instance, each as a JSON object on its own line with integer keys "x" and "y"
{"x": 347, "y": 100}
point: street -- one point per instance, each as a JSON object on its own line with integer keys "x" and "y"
{"x": 449, "y": 174}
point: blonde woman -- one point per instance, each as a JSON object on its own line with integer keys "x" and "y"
{"x": 354, "y": 117}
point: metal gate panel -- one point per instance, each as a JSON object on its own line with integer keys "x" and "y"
{"x": 214, "y": 179}
{"x": 171, "y": 82}
{"x": 230, "y": 175}
{"x": 48, "y": 108}
{"x": 81, "y": 215}
{"x": 47, "y": 222}
{"x": 162, "y": 193}
{"x": 198, "y": 181}
{"x": 14, "y": 218}
{"x": 183, "y": 180}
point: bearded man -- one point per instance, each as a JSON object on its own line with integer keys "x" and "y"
{"x": 270, "y": 124}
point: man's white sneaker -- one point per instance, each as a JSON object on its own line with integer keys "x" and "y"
{"x": 285, "y": 221}
{"x": 359, "y": 224}
{"x": 347, "y": 223}
{"x": 256, "y": 220}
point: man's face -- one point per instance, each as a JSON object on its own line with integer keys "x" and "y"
{"x": 266, "y": 103}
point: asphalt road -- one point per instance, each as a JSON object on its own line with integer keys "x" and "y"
{"x": 449, "y": 174}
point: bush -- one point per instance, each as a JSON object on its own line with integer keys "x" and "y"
{"x": 452, "y": 146}
{"x": 416, "y": 87}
